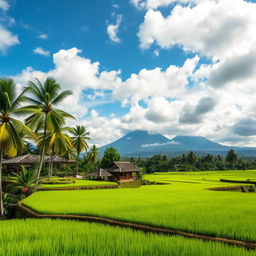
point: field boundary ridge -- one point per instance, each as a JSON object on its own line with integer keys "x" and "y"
{"x": 26, "y": 212}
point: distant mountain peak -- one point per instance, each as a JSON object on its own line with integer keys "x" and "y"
{"x": 144, "y": 143}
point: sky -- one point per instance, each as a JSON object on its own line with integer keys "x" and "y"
{"x": 176, "y": 67}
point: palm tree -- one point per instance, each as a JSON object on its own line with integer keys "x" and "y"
{"x": 93, "y": 154}
{"x": 79, "y": 135}
{"x": 25, "y": 182}
{"x": 11, "y": 129}
{"x": 57, "y": 143}
{"x": 44, "y": 115}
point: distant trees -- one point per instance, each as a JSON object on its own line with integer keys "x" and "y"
{"x": 109, "y": 157}
{"x": 193, "y": 162}
{"x": 232, "y": 156}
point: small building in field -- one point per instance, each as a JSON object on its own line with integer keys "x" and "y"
{"x": 121, "y": 171}
{"x": 29, "y": 160}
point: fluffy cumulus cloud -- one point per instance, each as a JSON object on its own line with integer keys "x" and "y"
{"x": 171, "y": 82}
{"x": 159, "y": 100}
{"x": 216, "y": 100}
{"x": 74, "y": 73}
{"x": 214, "y": 29}
{"x": 193, "y": 114}
{"x": 113, "y": 29}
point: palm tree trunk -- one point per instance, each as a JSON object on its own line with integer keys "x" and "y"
{"x": 1, "y": 187}
{"x": 77, "y": 164}
{"x": 50, "y": 166}
{"x": 42, "y": 153}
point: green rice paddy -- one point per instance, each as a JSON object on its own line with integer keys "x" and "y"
{"x": 80, "y": 183}
{"x": 71, "y": 238}
{"x": 185, "y": 204}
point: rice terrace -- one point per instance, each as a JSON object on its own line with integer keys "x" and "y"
{"x": 128, "y": 128}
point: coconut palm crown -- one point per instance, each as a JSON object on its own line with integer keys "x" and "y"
{"x": 12, "y": 130}
{"x": 44, "y": 116}
{"x": 58, "y": 143}
{"x": 93, "y": 154}
{"x": 79, "y": 136}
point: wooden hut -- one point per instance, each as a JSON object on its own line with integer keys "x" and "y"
{"x": 121, "y": 171}
{"x": 14, "y": 164}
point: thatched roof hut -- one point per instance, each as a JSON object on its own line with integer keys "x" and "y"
{"x": 29, "y": 159}
{"x": 99, "y": 173}
{"x": 118, "y": 171}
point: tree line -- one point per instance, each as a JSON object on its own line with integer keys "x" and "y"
{"x": 193, "y": 162}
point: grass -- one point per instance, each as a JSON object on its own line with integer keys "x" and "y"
{"x": 187, "y": 206}
{"x": 202, "y": 177}
{"x": 71, "y": 238}
{"x": 80, "y": 183}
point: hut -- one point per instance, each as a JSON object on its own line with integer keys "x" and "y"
{"x": 100, "y": 174}
{"x": 121, "y": 171}
{"x": 14, "y": 164}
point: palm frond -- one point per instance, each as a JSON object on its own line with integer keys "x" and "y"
{"x": 61, "y": 97}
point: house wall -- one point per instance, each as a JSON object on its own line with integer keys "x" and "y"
{"x": 123, "y": 176}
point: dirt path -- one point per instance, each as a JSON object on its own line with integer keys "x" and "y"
{"x": 27, "y": 212}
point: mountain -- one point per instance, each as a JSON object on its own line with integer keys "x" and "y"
{"x": 142, "y": 143}
{"x": 134, "y": 141}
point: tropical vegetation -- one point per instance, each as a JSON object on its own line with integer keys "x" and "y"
{"x": 110, "y": 155}
{"x": 44, "y": 116}
{"x": 191, "y": 161}
{"x": 44, "y": 124}
{"x": 12, "y": 131}
{"x": 79, "y": 135}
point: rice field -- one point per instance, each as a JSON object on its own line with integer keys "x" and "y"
{"x": 184, "y": 204}
{"x": 46, "y": 237}
{"x": 80, "y": 183}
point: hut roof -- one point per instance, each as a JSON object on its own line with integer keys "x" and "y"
{"x": 99, "y": 173}
{"x": 30, "y": 159}
{"x": 124, "y": 167}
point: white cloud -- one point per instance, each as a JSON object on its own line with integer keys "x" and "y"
{"x": 214, "y": 29}
{"x": 43, "y": 36}
{"x": 7, "y": 39}
{"x": 116, "y": 6}
{"x": 151, "y": 83}
{"x": 41, "y": 51}
{"x": 157, "y": 100}
{"x": 142, "y": 4}
{"x": 74, "y": 73}
{"x": 4, "y": 5}
{"x": 160, "y": 144}
{"x": 113, "y": 29}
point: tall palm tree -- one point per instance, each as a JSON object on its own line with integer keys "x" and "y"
{"x": 45, "y": 116}
{"x": 11, "y": 129}
{"x": 93, "y": 154}
{"x": 58, "y": 143}
{"x": 80, "y": 136}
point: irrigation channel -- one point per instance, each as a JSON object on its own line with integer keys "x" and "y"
{"x": 25, "y": 212}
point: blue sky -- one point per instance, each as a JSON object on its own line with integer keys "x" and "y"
{"x": 82, "y": 25}
{"x": 174, "y": 67}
